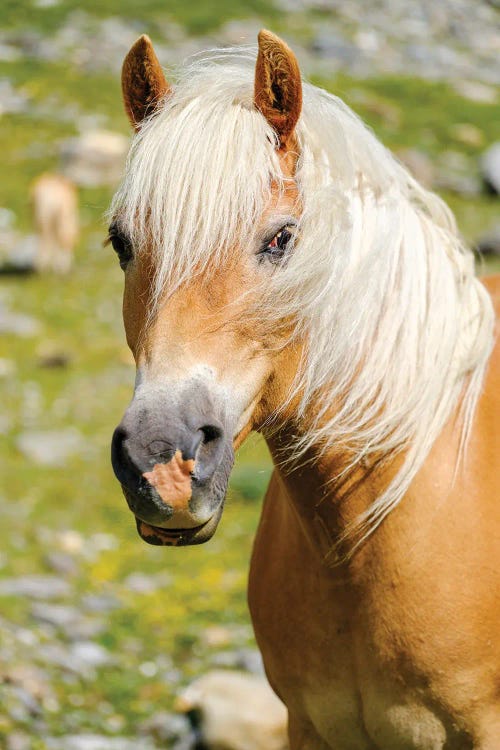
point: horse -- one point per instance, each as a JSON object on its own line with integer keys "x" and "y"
{"x": 285, "y": 274}
{"x": 54, "y": 202}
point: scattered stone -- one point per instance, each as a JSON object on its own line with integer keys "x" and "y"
{"x": 7, "y": 368}
{"x": 35, "y": 587}
{"x": 216, "y": 636}
{"x": 22, "y": 253}
{"x": 7, "y": 218}
{"x": 489, "y": 244}
{"x": 30, "y": 678}
{"x": 141, "y": 583}
{"x": 51, "y": 356}
{"x": 69, "y": 620}
{"x": 490, "y": 168}
{"x": 51, "y": 447}
{"x": 71, "y": 541}
{"x": 18, "y": 741}
{"x": 95, "y": 158}
{"x": 95, "y": 742}
{"x": 90, "y": 654}
{"x": 235, "y": 711}
{"x": 455, "y": 173}
{"x": 61, "y": 615}
{"x": 248, "y": 659}
{"x": 467, "y": 133}
{"x": 165, "y": 727}
{"x": 81, "y": 658}
{"x": 476, "y": 92}
{"x": 419, "y": 164}
{"x": 62, "y": 563}
{"x": 100, "y": 602}
{"x": 11, "y": 100}
{"x": 18, "y": 324}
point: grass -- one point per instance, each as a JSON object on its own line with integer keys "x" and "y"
{"x": 81, "y": 316}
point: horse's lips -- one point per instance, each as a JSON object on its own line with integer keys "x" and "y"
{"x": 159, "y": 536}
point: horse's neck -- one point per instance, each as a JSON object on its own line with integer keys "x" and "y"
{"x": 327, "y": 501}
{"x": 326, "y": 498}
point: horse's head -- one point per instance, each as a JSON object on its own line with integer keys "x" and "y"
{"x": 204, "y": 219}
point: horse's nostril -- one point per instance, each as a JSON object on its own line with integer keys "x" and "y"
{"x": 119, "y": 437}
{"x": 211, "y": 432}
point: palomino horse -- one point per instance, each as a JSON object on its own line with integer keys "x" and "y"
{"x": 55, "y": 216}
{"x": 284, "y": 273}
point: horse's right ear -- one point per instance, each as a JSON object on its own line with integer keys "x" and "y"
{"x": 143, "y": 82}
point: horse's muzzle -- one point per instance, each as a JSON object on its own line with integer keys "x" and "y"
{"x": 173, "y": 465}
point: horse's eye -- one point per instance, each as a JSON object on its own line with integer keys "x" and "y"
{"x": 277, "y": 249}
{"x": 122, "y": 248}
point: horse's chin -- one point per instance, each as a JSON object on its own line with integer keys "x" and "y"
{"x": 179, "y": 537}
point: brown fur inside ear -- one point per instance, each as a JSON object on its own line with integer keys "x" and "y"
{"x": 143, "y": 82}
{"x": 278, "y": 87}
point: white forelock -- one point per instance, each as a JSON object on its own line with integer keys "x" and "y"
{"x": 398, "y": 329}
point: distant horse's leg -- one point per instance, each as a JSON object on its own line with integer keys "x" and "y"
{"x": 43, "y": 259}
{"x": 62, "y": 260}
{"x": 303, "y": 736}
{"x": 65, "y": 233}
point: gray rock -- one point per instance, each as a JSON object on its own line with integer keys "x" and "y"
{"x": 18, "y": 324}
{"x": 7, "y": 218}
{"x": 476, "y": 92}
{"x": 489, "y": 244}
{"x": 22, "y": 253}
{"x": 60, "y": 615}
{"x": 454, "y": 172}
{"x": 490, "y": 168}
{"x": 95, "y": 158}
{"x": 96, "y": 742}
{"x": 100, "y": 602}
{"x": 11, "y": 101}
{"x": 90, "y": 654}
{"x": 61, "y": 562}
{"x": 51, "y": 447}
{"x": 419, "y": 164}
{"x": 7, "y": 368}
{"x": 141, "y": 583}
{"x": 18, "y": 741}
{"x": 68, "y": 620}
{"x": 248, "y": 659}
{"x": 82, "y": 658}
{"x": 166, "y": 727}
{"x": 35, "y": 587}
{"x": 332, "y": 46}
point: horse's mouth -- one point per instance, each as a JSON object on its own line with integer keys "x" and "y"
{"x": 177, "y": 537}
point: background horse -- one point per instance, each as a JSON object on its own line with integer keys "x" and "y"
{"x": 284, "y": 273}
{"x": 55, "y": 217}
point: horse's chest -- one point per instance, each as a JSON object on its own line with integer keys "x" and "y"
{"x": 319, "y": 662}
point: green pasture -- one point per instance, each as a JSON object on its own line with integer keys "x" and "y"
{"x": 80, "y": 317}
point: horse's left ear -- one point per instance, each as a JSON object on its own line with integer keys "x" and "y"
{"x": 143, "y": 82}
{"x": 278, "y": 87}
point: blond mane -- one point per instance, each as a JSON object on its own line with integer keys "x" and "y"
{"x": 397, "y": 327}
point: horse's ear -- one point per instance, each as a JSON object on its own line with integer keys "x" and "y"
{"x": 278, "y": 87}
{"x": 143, "y": 82}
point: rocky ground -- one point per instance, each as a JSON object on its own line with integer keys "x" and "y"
{"x": 453, "y": 40}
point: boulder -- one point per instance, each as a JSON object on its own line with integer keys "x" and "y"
{"x": 490, "y": 168}
{"x": 235, "y": 711}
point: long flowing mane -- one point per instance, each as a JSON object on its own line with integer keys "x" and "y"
{"x": 398, "y": 329}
